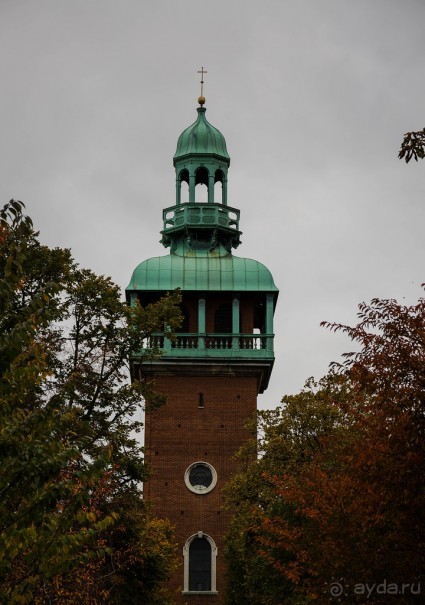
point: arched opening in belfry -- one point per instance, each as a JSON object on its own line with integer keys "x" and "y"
{"x": 184, "y": 192}
{"x": 218, "y": 186}
{"x": 201, "y": 185}
{"x": 201, "y": 194}
{"x": 184, "y": 186}
{"x": 218, "y": 192}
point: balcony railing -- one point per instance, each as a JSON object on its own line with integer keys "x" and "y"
{"x": 201, "y": 215}
{"x": 213, "y": 345}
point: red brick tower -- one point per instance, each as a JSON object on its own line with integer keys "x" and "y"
{"x": 221, "y": 360}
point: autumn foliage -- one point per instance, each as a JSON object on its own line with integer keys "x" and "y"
{"x": 339, "y": 486}
{"x": 73, "y": 525}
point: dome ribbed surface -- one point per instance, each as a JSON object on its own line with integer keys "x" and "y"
{"x": 209, "y": 273}
{"x": 201, "y": 138}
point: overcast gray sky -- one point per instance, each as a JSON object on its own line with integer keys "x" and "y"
{"x": 313, "y": 97}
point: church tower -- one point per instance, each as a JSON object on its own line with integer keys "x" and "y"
{"x": 221, "y": 359}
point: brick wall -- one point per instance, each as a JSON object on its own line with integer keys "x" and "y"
{"x": 181, "y": 433}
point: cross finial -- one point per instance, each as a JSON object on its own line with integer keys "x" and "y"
{"x": 202, "y": 71}
{"x": 201, "y": 99}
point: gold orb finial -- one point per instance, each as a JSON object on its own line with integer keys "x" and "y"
{"x": 201, "y": 100}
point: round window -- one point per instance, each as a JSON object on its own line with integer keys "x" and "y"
{"x": 200, "y": 477}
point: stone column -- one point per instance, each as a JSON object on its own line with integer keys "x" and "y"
{"x": 211, "y": 189}
{"x": 269, "y": 321}
{"x": 191, "y": 188}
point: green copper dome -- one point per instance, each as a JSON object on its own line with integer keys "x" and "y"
{"x": 207, "y": 272}
{"x": 201, "y": 138}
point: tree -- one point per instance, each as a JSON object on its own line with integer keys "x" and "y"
{"x": 135, "y": 555}
{"x": 282, "y": 439}
{"x": 413, "y": 146}
{"x": 345, "y": 506}
{"x": 68, "y": 421}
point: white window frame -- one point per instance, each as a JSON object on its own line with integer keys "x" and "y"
{"x": 198, "y": 489}
{"x": 214, "y": 552}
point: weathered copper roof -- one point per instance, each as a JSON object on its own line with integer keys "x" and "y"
{"x": 202, "y": 272}
{"x": 201, "y": 138}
